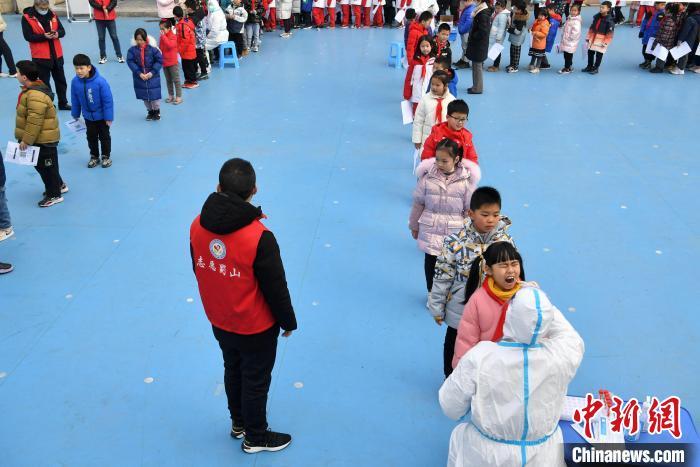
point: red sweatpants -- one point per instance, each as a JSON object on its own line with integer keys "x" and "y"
{"x": 367, "y": 11}
{"x": 346, "y": 14}
{"x": 331, "y": 14}
{"x": 357, "y": 16}
{"x": 318, "y": 16}
{"x": 271, "y": 22}
{"x": 379, "y": 17}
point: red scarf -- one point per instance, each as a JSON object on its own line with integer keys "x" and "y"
{"x": 423, "y": 60}
{"x": 438, "y": 110}
{"x": 143, "y": 58}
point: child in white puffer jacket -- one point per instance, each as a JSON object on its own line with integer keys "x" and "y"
{"x": 432, "y": 108}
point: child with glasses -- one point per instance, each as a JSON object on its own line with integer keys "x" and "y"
{"x": 453, "y": 129}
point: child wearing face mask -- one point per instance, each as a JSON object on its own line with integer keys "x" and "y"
{"x": 432, "y": 108}
{"x": 484, "y": 226}
{"x": 440, "y": 201}
{"x": 493, "y": 280}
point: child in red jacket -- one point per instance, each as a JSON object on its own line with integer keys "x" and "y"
{"x": 171, "y": 69}
{"x": 453, "y": 128}
{"x": 184, "y": 30}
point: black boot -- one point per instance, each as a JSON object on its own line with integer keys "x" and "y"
{"x": 150, "y": 115}
{"x": 156, "y": 114}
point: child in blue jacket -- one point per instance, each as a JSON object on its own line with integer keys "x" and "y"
{"x": 463, "y": 27}
{"x": 648, "y": 29}
{"x": 145, "y": 61}
{"x": 554, "y": 23}
{"x": 90, "y": 95}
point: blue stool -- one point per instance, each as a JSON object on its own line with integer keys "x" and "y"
{"x": 453, "y": 34}
{"x": 397, "y": 52}
{"x": 223, "y": 59}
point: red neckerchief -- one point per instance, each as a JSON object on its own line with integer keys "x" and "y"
{"x": 423, "y": 59}
{"x": 143, "y": 58}
{"x": 438, "y": 110}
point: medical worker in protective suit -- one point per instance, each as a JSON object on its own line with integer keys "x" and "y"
{"x": 216, "y": 25}
{"x": 514, "y": 388}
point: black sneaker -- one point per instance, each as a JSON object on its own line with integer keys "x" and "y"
{"x": 237, "y": 432}
{"x": 47, "y": 202}
{"x": 64, "y": 107}
{"x": 5, "y": 268}
{"x": 150, "y": 115}
{"x": 156, "y": 114}
{"x": 106, "y": 162}
{"x": 272, "y": 442}
{"x": 94, "y": 162}
{"x": 203, "y": 77}
{"x": 593, "y": 71}
{"x": 645, "y": 66}
{"x": 657, "y": 70}
{"x": 587, "y": 69}
{"x": 545, "y": 67}
{"x": 460, "y": 64}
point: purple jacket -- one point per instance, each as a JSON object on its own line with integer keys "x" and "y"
{"x": 440, "y": 202}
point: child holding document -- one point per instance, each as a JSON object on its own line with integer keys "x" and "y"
{"x": 688, "y": 35}
{"x": 666, "y": 36}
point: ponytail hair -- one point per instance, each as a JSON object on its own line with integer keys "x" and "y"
{"x": 498, "y": 252}
{"x": 452, "y": 148}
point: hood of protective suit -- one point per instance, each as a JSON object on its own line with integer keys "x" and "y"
{"x": 213, "y": 6}
{"x": 528, "y": 317}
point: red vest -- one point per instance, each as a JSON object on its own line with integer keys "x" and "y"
{"x": 230, "y": 292}
{"x": 42, "y": 49}
{"x": 100, "y": 15}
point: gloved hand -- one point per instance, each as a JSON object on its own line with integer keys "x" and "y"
{"x": 641, "y": 34}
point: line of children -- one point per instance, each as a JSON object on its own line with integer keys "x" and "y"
{"x": 648, "y": 29}
{"x": 441, "y": 200}
{"x": 432, "y": 109}
{"x": 483, "y": 226}
{"x": 669, "y": 25}
{"x": 91, "y": 96}
{"x": 145, "y": 61}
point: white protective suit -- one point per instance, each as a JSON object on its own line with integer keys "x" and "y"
{"x": 515, "y": 389}
{"x": 216, "y": 21}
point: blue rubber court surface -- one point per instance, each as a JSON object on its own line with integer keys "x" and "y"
{"x": 106, "y": 356}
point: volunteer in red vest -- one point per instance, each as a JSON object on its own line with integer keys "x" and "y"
{"x": 243, "y": 288}
{"x": 43, "y": 30}
{"x": 105, "y": 14}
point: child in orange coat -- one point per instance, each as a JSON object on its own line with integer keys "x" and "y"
{"x": 539, "y": 30}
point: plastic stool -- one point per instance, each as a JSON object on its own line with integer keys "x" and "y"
{"x": 223, "y": 59}
{"x": 397, "y": 52}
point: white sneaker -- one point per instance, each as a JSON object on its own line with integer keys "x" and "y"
{"x": 6, "y": 233}
{"x": 535, "y": 70}
{"x": 677, "y": 71}
{"x": 103, "y": 60}
{"x": 4, "y": 75}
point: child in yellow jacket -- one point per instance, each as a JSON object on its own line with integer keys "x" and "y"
{"x": 539, "y": 30}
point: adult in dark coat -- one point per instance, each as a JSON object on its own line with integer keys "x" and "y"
{"x": 478, "y": 44}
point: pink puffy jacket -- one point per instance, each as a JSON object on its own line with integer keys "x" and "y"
{"x": 478, "y": 323}
{"x": 571, "y": 34}
{"x": 440, "y": 202}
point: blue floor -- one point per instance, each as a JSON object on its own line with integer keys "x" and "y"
{"x": 599, "y": 175}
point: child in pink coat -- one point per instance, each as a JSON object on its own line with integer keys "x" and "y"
{"x": 570, "y": 38}
{"x": 487, "y": 302}
{"x": 440, "y": 201}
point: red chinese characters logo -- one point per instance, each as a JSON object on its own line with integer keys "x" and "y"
{"x": 665, "y": 416}
{"x": 587, "y": 413}
{"x": 625, "y": 418}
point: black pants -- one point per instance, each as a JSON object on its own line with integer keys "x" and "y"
{"x": 497, "y": 62}
{"x": 515, "y": 55}
{"x": 53, "y": 68}
{"x": 189, "y": 69}
{"x": 287, "y": 24}
{"x": 545, "y": 62}
{"x": 454, "y": 11}
{"x": 598, "y": 58}
{"x": 202, "y": 61}
{"x": 647, "y": 57}
{"x": 248, "y": 364}
{"x": 6, "y": 53}
{"x": 449, "y": 350}
{"x": 568, "y": 60}
{"x": 98, "y": 131}
{"x": 47, "y": 166}
{"x": 429, "y": 265}
{"x": 389, "y": 13}
{"x": 237, "y": 38}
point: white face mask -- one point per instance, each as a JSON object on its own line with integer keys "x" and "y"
{"x": 41, "y": 11}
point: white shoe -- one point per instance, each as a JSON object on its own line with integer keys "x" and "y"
{"x": 535, "y": 70}
{"x": 677, "y": 71}
{"x": 103, "y": 60}
{"x": 6, "y": 233}
{"x": 4, "y": 75}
